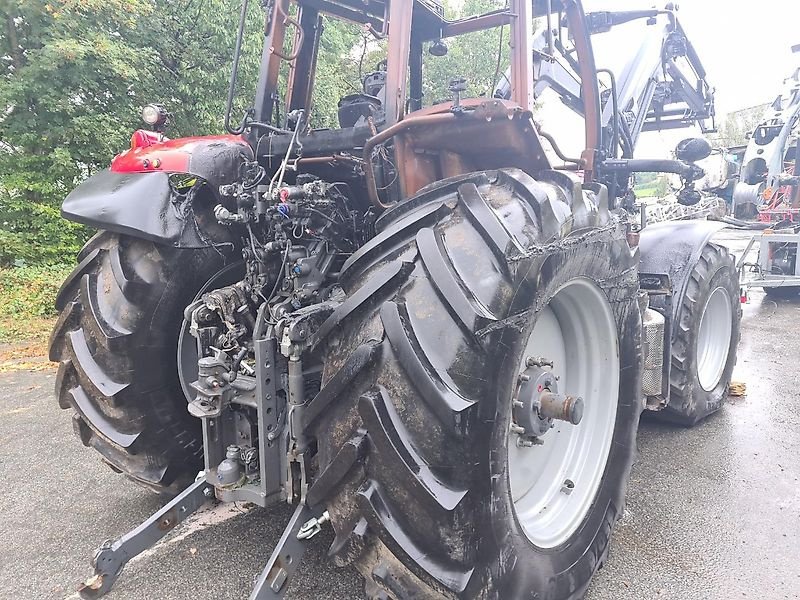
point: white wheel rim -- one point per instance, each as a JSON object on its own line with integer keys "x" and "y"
{"x": 578, "y": 332}
{"x": 714, "y": 338}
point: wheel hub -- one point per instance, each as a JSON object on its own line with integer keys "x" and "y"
{"x": 537, "y": 403}
{"x": 714, "y": 338}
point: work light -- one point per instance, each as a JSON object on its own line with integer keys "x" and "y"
{"x": 155, "y": 115}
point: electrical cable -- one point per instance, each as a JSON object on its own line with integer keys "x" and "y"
{"x": 237, "y": 53}
{"x": 499, "y": 55}
{"x": 279, "y": 278}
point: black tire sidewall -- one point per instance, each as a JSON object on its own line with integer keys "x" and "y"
{"x": 708, "y": 401}
{"x": 149, "y": 285}
{"x": 519, "y": 568}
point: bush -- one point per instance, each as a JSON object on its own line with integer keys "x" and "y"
{"x": 27, "y": 300}
{"x": 34, "y": 233}
{"x": 31, "y": 291}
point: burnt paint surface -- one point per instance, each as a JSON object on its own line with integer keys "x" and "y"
{"x": 213, "y": 158}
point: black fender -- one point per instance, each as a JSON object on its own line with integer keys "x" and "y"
{"x": 144, "y": 205}
{"x": 135, "y": 196}
{"x": 673, "y": 249}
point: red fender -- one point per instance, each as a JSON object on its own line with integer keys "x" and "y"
{"x": 151, "y": 151}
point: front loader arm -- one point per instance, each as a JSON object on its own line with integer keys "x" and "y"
{"x": 662, "y": 86}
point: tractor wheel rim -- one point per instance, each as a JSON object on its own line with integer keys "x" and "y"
{"x": 714, "y": 338}
{"x": 554, "y": 484}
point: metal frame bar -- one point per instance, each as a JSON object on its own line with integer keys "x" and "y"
{"x": 489, "y": 20}
{"x": 590, "y": 92}
{"x": 111, "y": 557}
{"x": 522, "y": 53}
{"x": 397, "y": 65}
{"x": 372, "y": 16}
{"x": 274, "y": 36}
{"x": 414, "y": 101}
{"x": 274, "y": 580}
{"x": 302, "y": 71}
{"x": 766, "y": 278}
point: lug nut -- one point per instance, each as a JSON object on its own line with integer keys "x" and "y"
{"x": 558, "y": 406}
{"x": 538, "y": 361}
{"x": 528, "y": 442}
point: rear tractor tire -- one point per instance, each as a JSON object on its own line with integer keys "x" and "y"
{"x": 468, "y": 290}
{"x": 705, "y": 339}
{"x": 115, "y": 340}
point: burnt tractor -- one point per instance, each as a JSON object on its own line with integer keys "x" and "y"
{"x": 418, "y": 328}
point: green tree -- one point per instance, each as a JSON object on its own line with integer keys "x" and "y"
{"x": 662, "y": 186}
{"x": 75, "y": 74}
{"x": 736, "y": 125}
{"x": 473, "y": 56}
{"x": 346, "y": 54}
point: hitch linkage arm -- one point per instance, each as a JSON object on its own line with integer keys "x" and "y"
{"x": 112, "y": 556}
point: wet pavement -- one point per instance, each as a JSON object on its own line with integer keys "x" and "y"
{"x": 713, "y": 512}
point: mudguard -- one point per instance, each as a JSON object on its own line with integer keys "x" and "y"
{"x": 135, "y": 196}
{"x": 673, "y": 248}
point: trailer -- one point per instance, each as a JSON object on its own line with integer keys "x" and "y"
{"x": 777, "y": 270}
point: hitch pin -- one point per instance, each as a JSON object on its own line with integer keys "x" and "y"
{"x": 313, "y": 526}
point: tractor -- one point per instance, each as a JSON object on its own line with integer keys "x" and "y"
{"x": 430, "y": 328}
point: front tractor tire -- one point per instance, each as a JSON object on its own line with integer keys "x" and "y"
{"x": 706, "y": 336}
{"x": 467, "y": 286}
{"x": 121, "y": 310}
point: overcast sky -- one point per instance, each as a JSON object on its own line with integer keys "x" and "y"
{"x": 745, "y": 46}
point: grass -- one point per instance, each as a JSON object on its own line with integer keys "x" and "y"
{"x": 27, "y": 314}
{"x": 645, "y": 192}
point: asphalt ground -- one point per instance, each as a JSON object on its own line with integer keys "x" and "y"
{"x": 712, "y": 514}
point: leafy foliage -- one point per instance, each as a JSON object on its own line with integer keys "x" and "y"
{"x": 74, "y": 75}
{"x": 737, "y": 125}
{"x": 473, "y": 56}
{"x": 30, "y": 290}
{"x": 651, "y": 185}
{"x": 344, "y": 50}
{"x": 27, "y": 295}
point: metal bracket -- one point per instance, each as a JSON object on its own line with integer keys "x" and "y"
{"x": 313, "y": 526}
{"x": 285, "y": 559}
{"x": 110, "y": 558}
{"x": 288, "y": 553}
